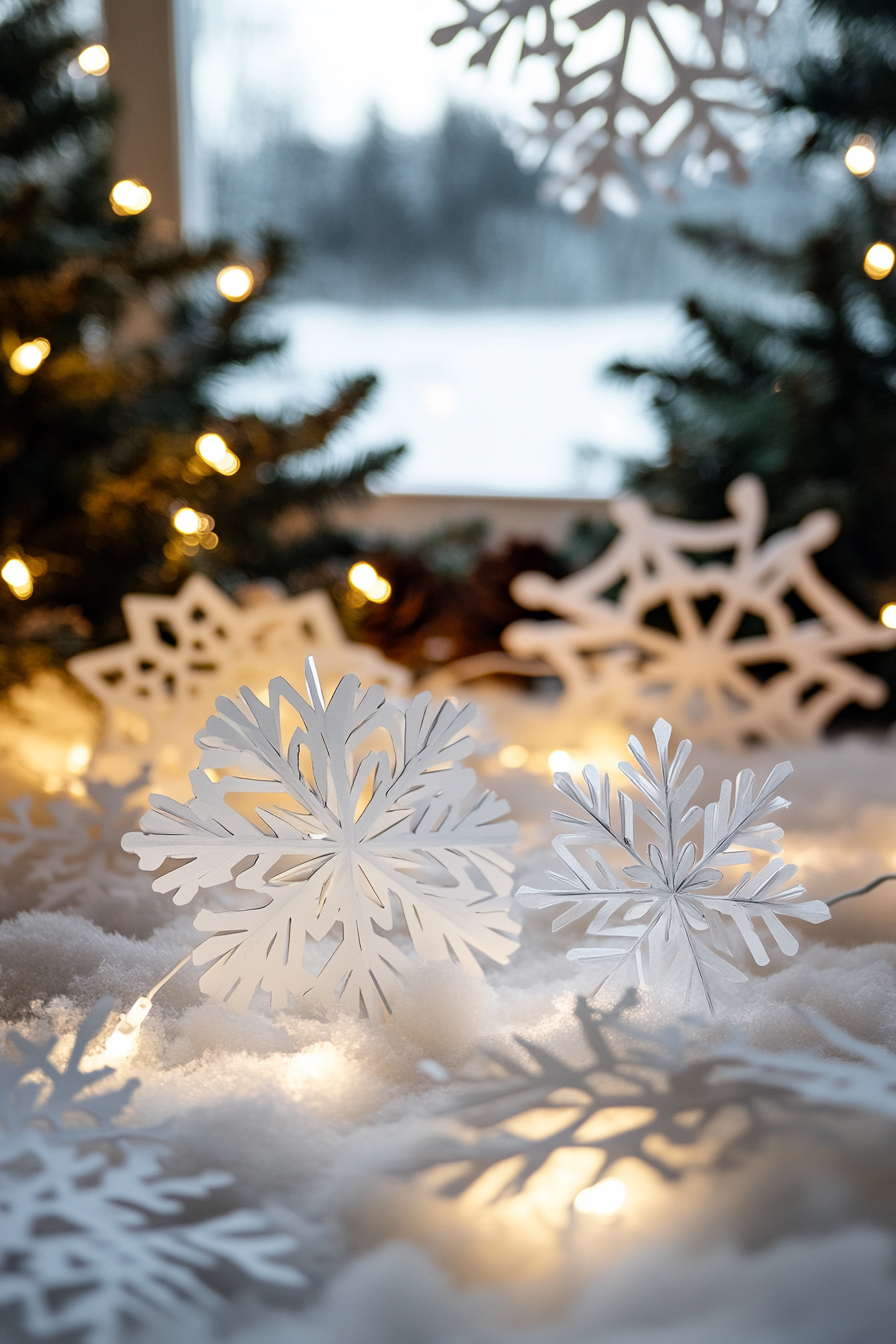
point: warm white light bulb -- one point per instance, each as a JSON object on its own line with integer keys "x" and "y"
{"x": 560, "y": 760}
{"x": 124, "y": 1037}
{"x": 18, "y": 576}
{"x": 604, "y": 1198}
{"x": 28, "y": 357}
{"x": 187, "y": 522}
{"x": 235, "y": 283}
{"x": 130, "y": 197}
{"x": 214, "y": 451}
{"x": 861, "y": 158}
{"x": 888, "y": 615}
{"x": 879, "y": 261}
{"x": 94, "y": 60}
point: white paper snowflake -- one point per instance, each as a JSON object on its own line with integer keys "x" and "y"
{"x": 93, "y": 1235}
{"x": 75, "y": 862}
{"x": 183, "y": 652}
{"x": 737, "y": 641}
{"x": 663, "y": 920}
{"x": 642, "y": 88}
{"x": 367, "y": 846}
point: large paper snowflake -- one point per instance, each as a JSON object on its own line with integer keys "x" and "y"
{"x": 183, "y": 652}
{"x": 642, "y": 88}
{"x": 367, "y": 845}
{"x": 93, "y": 1235}
{"x": 628, "y": 1095}
{"x": 664, "y": 919}
{"x": 76, "y": 861}
{"x": 738, "y": 642}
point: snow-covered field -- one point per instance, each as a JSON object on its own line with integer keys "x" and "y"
{"x": 495, "y": 400}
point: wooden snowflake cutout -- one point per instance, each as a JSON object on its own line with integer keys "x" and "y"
{"x": 737, "y": 641}
{"x": 366, "y": 849}
{"x": 183, "y": 652}
{"x": 642, "y": 89}
{"x": 664, "y": 919}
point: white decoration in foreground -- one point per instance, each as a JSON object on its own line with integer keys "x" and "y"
{"x": 183, "y": 652}
{"x": 366, "y": 830}
{"x": 93, "y": 1235}
{"x": 741, "y": 652}
{"x": 672, "y": 913}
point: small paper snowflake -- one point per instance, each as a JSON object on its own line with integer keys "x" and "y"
{"x": 667, "y": 922}
{"x": 656, "y": 1101}
{"x": 737, "y": 641}
{"x": 93, "y": 1235}
{"x": 367, "y": 844}
{"x": 182, "y": 652}
{"x": 642, "y": 89}
{"x": 76, "y": 862}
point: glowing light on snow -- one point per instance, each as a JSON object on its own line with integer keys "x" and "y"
{"x": 235, "y": 283}
{"x": 130, "y": 197}
{"x": 559, "y": 760}
{"x": 124, "y": 1037}
{"x": 879, "y": 261}
{"x": 513, "y": 757}
{"x": 861, "y": 158}
{"x": 214, "y": 451}
{"x": 28, "y": 357}
{"x": 604, "y": 1198}
{"x": 888, "y": 615}
{"x": 18, "y": 576}
{"x": 364, "y": 579}
{"x": 94, "y": 60}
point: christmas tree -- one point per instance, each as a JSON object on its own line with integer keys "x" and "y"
{"x": 117, "y": 473}
{"x": 804, "y": 393}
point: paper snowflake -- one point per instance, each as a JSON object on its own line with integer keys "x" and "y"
{"x": 183, "y": 652}
{"x": 664, "y": 919}
{"x": 653, "y": 1098}
{"x": 737, "y": 641}
{"x": 367, "y": 847}
{"x": 642, "y": 89}
{"x": 76, "y": 862}
{"x": 93, "y": 1235}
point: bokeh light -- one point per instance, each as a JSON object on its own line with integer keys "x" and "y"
{"x": 17, "y": 575}
{"x": 888, "y": 615}
{"x": 604, "y": 1198}
{"x": 235, "y": 283}
{"x": 861, "y": 158}
{"x": 879, "y": 261}
{"x": 130, "y": 197}
{"x": 214, "y": 452}
{"x": 94, "y": 60}
{"x": 29, "y": 356}
{"x": 365, "y": 580}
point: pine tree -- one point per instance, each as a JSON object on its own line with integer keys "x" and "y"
{"x": 98, "y": 444}
{"x": 807, "y": 399}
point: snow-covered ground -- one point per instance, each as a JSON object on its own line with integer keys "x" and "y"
{"x": 510, "y": 401}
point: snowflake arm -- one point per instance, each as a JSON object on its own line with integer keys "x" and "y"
{"x": 668, "y": 921}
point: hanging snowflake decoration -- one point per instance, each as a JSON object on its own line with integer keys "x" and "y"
{"x": 367, "y": 848}
{"x": 93, "y": 1236}
{"x": 663, "y": 919}
{"x": 739, "y": 642}
{"x": 629, "y": 1095}
{"x": 76, "y": 862}
{"x": 183, "y": 652}
{"x": 641, "y": 89}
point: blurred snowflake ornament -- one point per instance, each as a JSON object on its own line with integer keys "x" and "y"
{"x": 367, "y": 846}
{"x": 641, "y": 89}
{"x": 93, "y": 1235}
{"x": 663, "y": 920}
{"x": 75, "y": 862}
{"x": 737, "y": 650}
{"x": 182, "y": 652}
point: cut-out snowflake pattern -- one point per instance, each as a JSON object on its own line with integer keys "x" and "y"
{"x": 94, "y": 1237}
{"x": 182, "y": 652}
{"x": 664, "y": 919}
{"x": 736, "y": 641}
{"x": 367, "y": 847}
{"x": 642, "y": 89}
{"x": 75, "y": 862}
{"x": 629, "y": 1095}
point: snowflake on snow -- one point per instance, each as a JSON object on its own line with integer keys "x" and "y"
{"x": 642, "y": 89}
{"x": 93, "y": 1235}
{"x": 739, "y": 642}
{"x": 664, "y": 919}
{"x": 367, "y": 846}
{"x": 76, "y": 862}
{"x": 630, "y": 1095}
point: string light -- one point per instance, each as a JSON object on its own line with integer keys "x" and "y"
{"x": 861, "y": 157}
{"x": 560, "y": 760}
{"x": 124, "y": 1037}
{"x": 214, "y": 451}
{"x": 28, "y": 357}
{"x": 513, "y": 756}
{"x": 186, "y": 521}
{"x": 130, "y": 197}
{"x": 604, "y": 1198}
{"x": 18, "y": 576}
{"x": 94, "y": 60}
{"x": 888, "y": 615}
{"x": 879, "y": 261}
{"x": 365, "y": 580}
{"x": 235, "y": 283}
